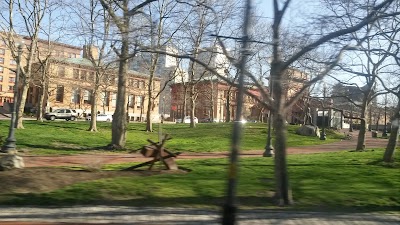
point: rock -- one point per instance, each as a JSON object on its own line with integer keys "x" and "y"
{"x": 308, "y": 130}
{"x": 11, "y": 161}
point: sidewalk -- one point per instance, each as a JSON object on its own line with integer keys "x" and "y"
{"x": 171, "y": 216}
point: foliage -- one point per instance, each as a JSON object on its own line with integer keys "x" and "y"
{"x": 70, "y": 137}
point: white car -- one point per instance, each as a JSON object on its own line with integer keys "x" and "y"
{"x": 101, "y": 117}
{"x": 187, "y": 119}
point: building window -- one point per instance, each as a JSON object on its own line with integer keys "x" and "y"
{"x": 2, "y": 51}
{"x": 130, "y": 82}
{"x": 91, "y": 76}
{"x": 131, "y": 101}
{"x": 76, "y": 74}
{"x": 13, "y": 62}
{"x": 60, "y": 93}
{"x": 1, "y": 69}
{"x": 141, "y": 84}
{"x": 87, "y": 97}
{"x": 11, "y": 88}
{"x": 106, "y": 98}
{"x": 83, "y": 75}
{"x": 1, "y": 87}
{"x": 61, "y": 71}
{"x": 114, "y": 100}
{"x": 1, "y": 60}
{"x": 11, "y": 80}
{"x": 76, "y": 95}
{"x": 1, "y": 78}
{"x": 139, "y": 101}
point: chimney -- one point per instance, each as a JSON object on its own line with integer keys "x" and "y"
{"x": 90, "y": 52}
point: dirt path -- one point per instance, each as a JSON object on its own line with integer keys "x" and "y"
{"x": 94, "y": 160}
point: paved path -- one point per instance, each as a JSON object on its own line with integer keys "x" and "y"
{"x": 101, "y": 159}
{"x": 172, "y": 216}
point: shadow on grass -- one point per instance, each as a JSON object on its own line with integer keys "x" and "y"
{"x": 381, "y": 163}
{"x": 61, "y": 125}
{"x": 66, "y": 148}
{"x": 245, "y": 202}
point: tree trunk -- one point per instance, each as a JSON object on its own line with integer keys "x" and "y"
{"x": 363, "y": 130}
{"x": 184, "y": 105}
{"x": 212, "y": 100}
{"x": 227, "y": 108}
{"x": 192, "y": 106}
{"x": 392, "y": 144}
{"x": 283, "y": 194}
{"x": 394, "y": 136}
{"x": 149, "y": 124}
{"x": 93, "y": 112}
{"x": 119, "y": 124}
{"x": 21, "y": 105}
{"x": 39, "y": 110}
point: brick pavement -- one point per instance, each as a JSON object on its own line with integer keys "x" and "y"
{"x": 171, "y": 216}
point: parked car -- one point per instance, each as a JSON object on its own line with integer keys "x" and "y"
{"x": 66, "y": 114}
{"x": 187, "y": 120}
{"x": 101, "y": 117}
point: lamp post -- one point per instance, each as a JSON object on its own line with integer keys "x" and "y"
{"x": 10, "y": 146}
{"x": 269, "y": 150}
{"x": 384, "y": 134}
{"x": 323, "y": 134}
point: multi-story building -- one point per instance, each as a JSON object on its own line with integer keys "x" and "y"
{"x": 212, "y": 101}
{"x": 213, "y": 97}
{"x": 8, "y": 64}
{"x": 167, "y": 70}
{"x": 215, "y": 59}
{"x": 294, "y": 80}
{"x": 71, "y": 82}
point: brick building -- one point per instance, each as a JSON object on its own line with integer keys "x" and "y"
{"x": 71, "y": 82}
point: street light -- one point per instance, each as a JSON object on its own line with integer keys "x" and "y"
{"x": 269, "y": 150}
{"x": 10, "y": 146}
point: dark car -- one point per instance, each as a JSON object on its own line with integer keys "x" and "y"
{"x": 66, "y": 114}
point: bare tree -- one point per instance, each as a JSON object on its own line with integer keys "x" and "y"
{"x": 278, "y": 103}
{"x": 365, "y": 63}
{"x": 121, "y": 17}
{"x": 94, "y": 26}
{"x": 31, "y": 14}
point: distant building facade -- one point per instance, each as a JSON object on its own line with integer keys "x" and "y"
{"x": 214, "y": 99}
{"x": 71, "y": 84}
{"x": 8, "y": 63}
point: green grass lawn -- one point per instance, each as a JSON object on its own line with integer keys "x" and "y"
{"x": 62, "y": 137}
{"x": 349, "y": 181}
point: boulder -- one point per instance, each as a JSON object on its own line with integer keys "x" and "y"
{"x": 308, "y": 130}
{"x": 11, "y": 161}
